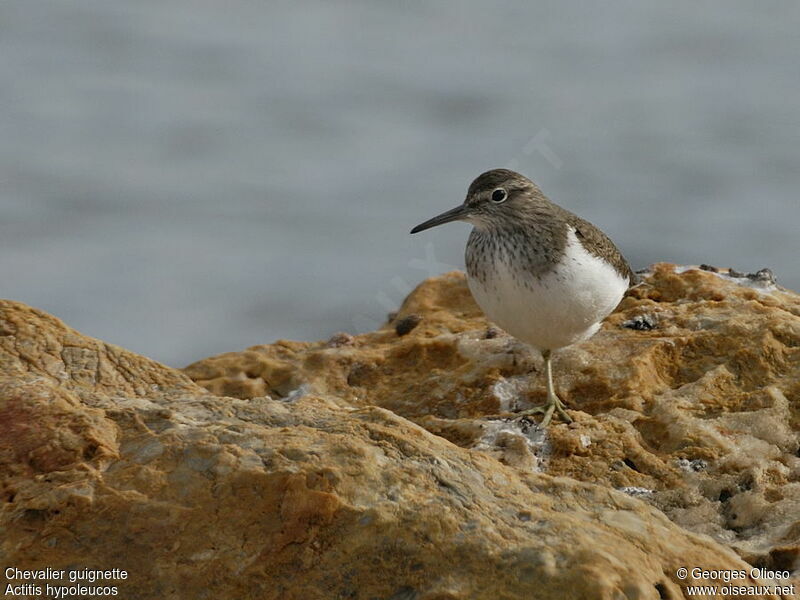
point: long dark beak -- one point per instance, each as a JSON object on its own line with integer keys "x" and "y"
{"x": 459, "y": 212}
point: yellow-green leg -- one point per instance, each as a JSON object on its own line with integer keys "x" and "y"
{"x": 553, "y": 403}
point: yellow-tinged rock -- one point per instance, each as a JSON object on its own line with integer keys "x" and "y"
{"x": 314, "y": 484}
{"x": 689, "y": 396}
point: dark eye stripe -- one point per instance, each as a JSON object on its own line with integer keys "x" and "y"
{"x": 499, "y": 195}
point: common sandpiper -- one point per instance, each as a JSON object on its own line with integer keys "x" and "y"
{"x": 540, "y": 272}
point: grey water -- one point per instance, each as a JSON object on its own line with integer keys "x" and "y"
{"x": 185, "y": 178}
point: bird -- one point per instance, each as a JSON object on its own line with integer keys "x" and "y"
{"x": 538, "y": 271}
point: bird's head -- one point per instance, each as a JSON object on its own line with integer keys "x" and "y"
{"x": 496, "y": 198}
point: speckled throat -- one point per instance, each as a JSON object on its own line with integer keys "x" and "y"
{"x": 535, "y": 243}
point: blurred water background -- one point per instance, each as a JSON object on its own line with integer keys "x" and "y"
{"x": 186, "y": 177}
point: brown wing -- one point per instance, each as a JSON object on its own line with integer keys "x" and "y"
{"x": 598, "y": 243}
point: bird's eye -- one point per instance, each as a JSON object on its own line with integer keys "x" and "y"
{"x": 499, "y": 195}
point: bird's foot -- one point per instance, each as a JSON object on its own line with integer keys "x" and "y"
{"x": 553, "y": 405}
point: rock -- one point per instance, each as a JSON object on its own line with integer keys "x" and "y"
{"x": 364, "y": 470}
{"x": 714, "y": 377}
{"x": 406, "y": 324}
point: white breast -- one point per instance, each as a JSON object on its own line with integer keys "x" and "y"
{"x": 563, "y": 307}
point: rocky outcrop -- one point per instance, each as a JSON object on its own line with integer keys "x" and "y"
{"x": 366, "y": 467}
